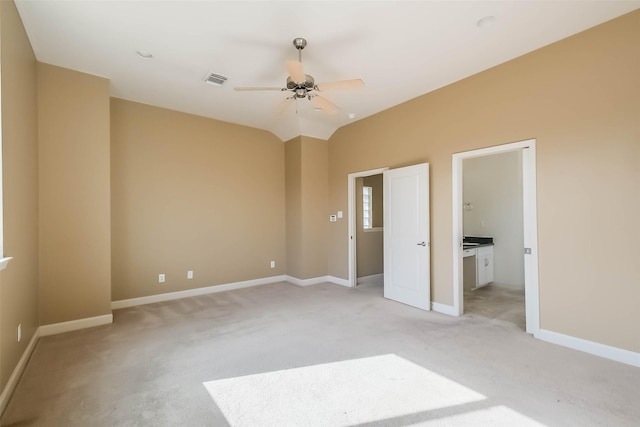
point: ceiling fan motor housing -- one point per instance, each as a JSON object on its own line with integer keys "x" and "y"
{"x": 309, "y": 83}
{"x": 301, "y": 89}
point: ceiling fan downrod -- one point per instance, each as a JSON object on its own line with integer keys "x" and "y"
{"x": 301, "y": 89}
{"x": 299, "y": 43}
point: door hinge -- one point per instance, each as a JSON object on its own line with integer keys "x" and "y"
{"x": 527, "y": 251}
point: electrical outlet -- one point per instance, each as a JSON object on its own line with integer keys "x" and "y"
{"x": 273, "y": 264}
{"x": 161, "y": 278}
{"x": 190, "y": 274}
{"x": 20, "y": 332}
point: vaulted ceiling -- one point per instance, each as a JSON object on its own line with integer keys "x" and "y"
{"x": 401, "y": 49}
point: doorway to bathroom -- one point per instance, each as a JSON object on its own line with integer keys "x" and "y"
{"x": 494, "y": 198}
{"x": 492, "y": 226}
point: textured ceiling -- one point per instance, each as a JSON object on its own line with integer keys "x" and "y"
{"x": 401, "y": 49}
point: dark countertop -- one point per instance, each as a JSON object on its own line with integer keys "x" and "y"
{"x": 471, "y": 242}
{"x": 481, "y": 245}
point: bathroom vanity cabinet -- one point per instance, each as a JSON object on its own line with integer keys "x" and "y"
{"x": 483, "y": 255}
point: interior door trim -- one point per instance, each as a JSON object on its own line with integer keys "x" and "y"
{"x": 532, "y": 295}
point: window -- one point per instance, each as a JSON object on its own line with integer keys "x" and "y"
{"x": 367, "y": 208}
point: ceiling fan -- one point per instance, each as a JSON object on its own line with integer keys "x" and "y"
{"x": 302, "y": 85}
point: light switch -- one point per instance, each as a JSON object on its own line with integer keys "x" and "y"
{"x": 339, "y": 214}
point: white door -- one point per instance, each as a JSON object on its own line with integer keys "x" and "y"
{"x": 406, "y": 236}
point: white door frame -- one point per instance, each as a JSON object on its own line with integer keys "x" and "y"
{"x": 532, "y": 297}
{"x": 353, "y": 271}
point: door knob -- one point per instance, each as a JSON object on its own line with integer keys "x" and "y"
{"x": 422, "y": 244}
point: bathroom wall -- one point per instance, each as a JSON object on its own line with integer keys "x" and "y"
{"x": 492, "y": 193}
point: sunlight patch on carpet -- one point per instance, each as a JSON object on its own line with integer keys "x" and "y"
{"x": 341, "y": 394}
{"x": 493, "y": 416}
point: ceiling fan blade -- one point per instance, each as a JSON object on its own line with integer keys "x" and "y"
{"x": 296, "y": 71}
{"x": 242, "y": 89}
{"x": 324, "y": 104}
{"x": 341, "y": 85}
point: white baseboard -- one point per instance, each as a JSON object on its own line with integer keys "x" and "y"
{"x": 74, "y": 325}
{"x": 597, "y": 349}
{"x": 17, "y": 372}
{"x": 316, "y": 280}
{"x": 195, "y": 292}
{"x": 307, "y": 282}
{"x": 304, "y": 282}
{"x": 338, "y": 281}
{"x": 444, "y": 309}
{"x": 374, "y": 279}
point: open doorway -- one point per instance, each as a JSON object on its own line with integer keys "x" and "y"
{"x": 493, "y": 237}
{"x": 406, "y": 244}
{"x": 370, "y": 230}
{"x": 363, "y": 259}
{"x": 528, "y": 248}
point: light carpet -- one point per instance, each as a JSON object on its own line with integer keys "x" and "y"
{"x": 148, "y": 367}
{"x": 352, "y": 392}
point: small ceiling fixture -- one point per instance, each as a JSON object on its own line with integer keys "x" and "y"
{"x": 215, "y": 79}
{"x": 144, "y": 54}
{"x": 351, "y": 115}
{"x": 486, "y": 21}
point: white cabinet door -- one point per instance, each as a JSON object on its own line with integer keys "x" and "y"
{"x": 489, "y": 268}
{"x": 484, "y": 265}
{"x": 481, "y": 271}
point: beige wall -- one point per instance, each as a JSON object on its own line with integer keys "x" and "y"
{"x": 315, "y": 215}
{"x": 307, "y": 213}
{"x": 293, "y": 186}
{"x": 580, "y": 99}
{"x": 370, "y": 244}
{"x": 19, "y": 287}
{"x": 190, "y": 193}
{"x": 75, "y": 222}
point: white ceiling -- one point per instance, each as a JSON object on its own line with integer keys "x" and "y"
{"x": 401, "y": 49}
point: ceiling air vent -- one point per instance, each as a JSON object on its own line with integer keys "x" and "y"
{"x": 215, "y": 79}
